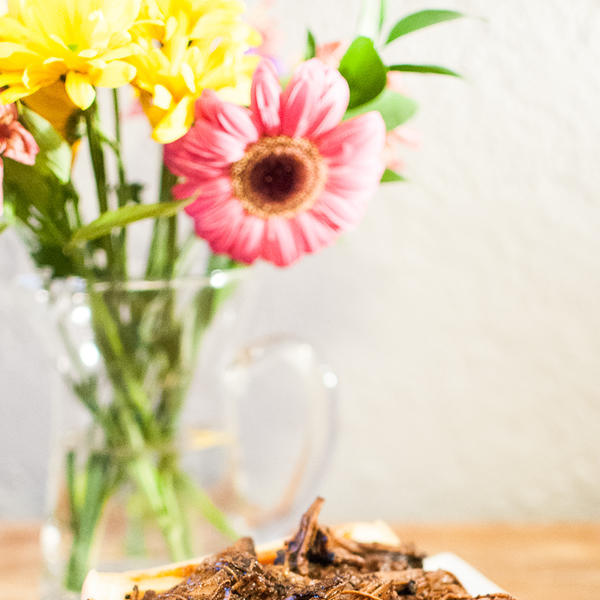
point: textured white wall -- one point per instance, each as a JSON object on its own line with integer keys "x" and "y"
{"x": 463, "y": 316}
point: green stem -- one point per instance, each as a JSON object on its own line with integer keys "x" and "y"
{"x": 182, "y": 263}
{"x": 85, "y": 515}
{"x": 163, "y": 247}
{"x": 116, "y": 145}
{"x": 207, "y": 507}
{"x": 171, "y": 244}
{"x": 128, "y": 388}
{"x": 157, "y": 487}
{"x": 97, "y": 156}
{"x": 78, "y": 565}
{"x": 122, "y": 189}
{"x": 117, "y": 111}
{"x": 167, "y": 181}
{"x": 99, "y": 168}
{"x": 163, "y": 502}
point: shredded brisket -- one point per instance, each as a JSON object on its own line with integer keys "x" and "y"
{"x": 316, "y": 564}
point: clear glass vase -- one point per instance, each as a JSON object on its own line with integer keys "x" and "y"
{"x": 172, "y": 435}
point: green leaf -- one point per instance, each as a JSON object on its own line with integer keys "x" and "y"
{"x": 3, "y": 226}
{"x": 420, "y": 20}
{"x": 395, "y": 108}
{"x": 435, "y": 69}
{"x": 55, "y": 153}
{"x": 364, "y": 71}
{"x": 121, "y": 217}
{"x": 390, "y": 176}
{"x": 311, "y": 46}
{"x": 44, "y": 210}
{"x": 41, "y": 203}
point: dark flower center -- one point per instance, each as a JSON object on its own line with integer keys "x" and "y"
{"x": 279, "y": 176}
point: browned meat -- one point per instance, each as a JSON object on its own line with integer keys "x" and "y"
{"x": 316, "y": 564}
{"x": 316, "y": 551}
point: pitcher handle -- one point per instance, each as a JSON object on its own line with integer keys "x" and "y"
{"x": 280, "y": 377}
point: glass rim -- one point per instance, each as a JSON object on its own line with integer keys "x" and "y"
{"x": 217, "y": 279}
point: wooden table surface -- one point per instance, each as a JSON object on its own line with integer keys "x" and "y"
{"x": 532, "y": 562}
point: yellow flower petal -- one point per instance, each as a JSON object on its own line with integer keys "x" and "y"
{"x": 80, "y": 89}
{"x": 175, "y": 123}
{"x": 10, "y": 79}
{"x": 37, "y": 76}
{"x": 254, "y": 38}
{"x": 240, "y": 94}
{"x": 122, "y": 52}
{"x": 53, "y": 104}
{"x": 14, "y": 93}
{"x": 122, "y": 38}
{"x": 187, "y": 46}
{"x": 121, "y": 14}
{"x": 113, "y": 75}
{"x": 189, "y": 77}
{"x": 80, "y": 36}
{"x": 212, "y": 23}
{"x": 170, "y": 27}
{"x": 162, "y": 97}
{"x": 11, "y": 29}
{"x": 89, "y": 53}
{"x": 8, "y": 49}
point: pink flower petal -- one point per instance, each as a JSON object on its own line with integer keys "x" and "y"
{"x": 311, "y": 107}
{"x": 231, "y": 118}
{"x": 314, "y": 101}
{"x": 314, "y": 232}
{"x": 189, "y": 165}
{"x": 296, "y": 108}
{"x": 220, "y": 225}
{"x": 265, "y": 103}
{"x": 202, "y": 192}
{"x": 362, "y": 136}
{"x": 359, "y": 174}
{"x": 346, "y": 183}
{"x": 332, "y": 53}
{"x": 247, "y": 246}
{"x": 280, "y": 244}
{"x": 19, "y": 144}
{"x": 15, "y": 142}
{"x": 217, "y": 139}
{"x": 216, "y": 217}
{"x": 214, "y": 143}
{"x": 333, "y": 105}
{"x": 8, "y": 114}
{"x": 339, "y": 213}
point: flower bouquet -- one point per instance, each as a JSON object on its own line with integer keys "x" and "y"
{"x": 266, "y": 170}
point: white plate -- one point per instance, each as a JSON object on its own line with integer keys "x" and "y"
{"x": 471, "y": 579}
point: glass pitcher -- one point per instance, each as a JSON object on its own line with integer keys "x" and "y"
{"x": 173, "y": 433}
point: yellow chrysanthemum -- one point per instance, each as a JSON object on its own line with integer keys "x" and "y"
{"x": 82, "y": 42}
{"x": 187, "y": 46}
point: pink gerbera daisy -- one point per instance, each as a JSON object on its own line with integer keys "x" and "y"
{"x": 282, "y": 178}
